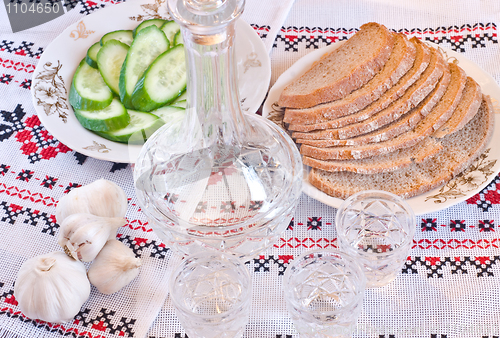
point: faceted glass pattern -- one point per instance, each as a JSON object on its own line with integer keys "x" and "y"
{"x": 324, "y": 292}
{"x": 212, "y": 294}
{"x": 377, "y": 228}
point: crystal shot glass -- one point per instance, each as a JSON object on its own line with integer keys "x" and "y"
{"x": 377, "y": 229}
{"x": 324, "y": 291}
{"x": 211, "y": 294}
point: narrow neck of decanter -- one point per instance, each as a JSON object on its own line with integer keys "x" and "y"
{"x": 212, "y": 85}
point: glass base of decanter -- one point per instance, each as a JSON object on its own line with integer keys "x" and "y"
{"x": 234, "y": 198}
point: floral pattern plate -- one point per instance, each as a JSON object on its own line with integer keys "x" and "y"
{"x": 462, "y": 187}
{"x": 54, "y": 72}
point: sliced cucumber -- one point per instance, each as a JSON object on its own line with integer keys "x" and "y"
{"x": 125, "y": 36}
{"x": 169, "y": 113}
{"x": 178, "y": 40}
{"x": 180, "y": 104}
{"x": 112, "y": 117}
{"x": 109, "y": 60}
{"x": 170, "y": 28}
{"x": 88, "y": 90}
{"x": 147, "y": 45}
{"x": 141, "y": 126}
{"x": 156, "y": 22}
{"x": 162, "y": 82}
{"x": 91, "y": 57}
{"x": 182, "y": 97}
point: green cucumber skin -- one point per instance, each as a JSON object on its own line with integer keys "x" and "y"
{"x": 157, "y": 22}
{"x": 126, "y": 96}
{"x": 111, "y": 79}
{"x": 170, "y": 28}
{"x": 90, "y": 58}
{"x": 78, "y": 102}
{"x": 138, "y": 136}
{"x": 110, "y": 36}
{"x": 106, "y": 125}
{"x": 141, "y": 99}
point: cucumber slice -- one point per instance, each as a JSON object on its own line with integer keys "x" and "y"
{"x": 183, "y": 97}
{"x": 109, "y": 60}
{"x": 147, "y": 45}
{"x": 112, "y": 117}
{"x": 88, "y": 90}
{"x": 181, "y": 104}
{"x": 178, "y": 40}
{"x": 162, "y": 82}
{"x": 170, "y": 28}
{"x": 169, "y": 113}
{"x": 156, "y": 22}
{"x": 141, "y": 126}
{"x": 124, "y": 36}
{"x": 91, "y": 57}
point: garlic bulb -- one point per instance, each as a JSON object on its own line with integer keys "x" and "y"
{"x": 82, "y": 236}
{"x": 114, "y": 267}
{"x": 101, "y": 198}
{"x": 51, "y": 287}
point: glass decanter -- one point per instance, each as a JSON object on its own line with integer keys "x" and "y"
{"x": 219, "y": 179}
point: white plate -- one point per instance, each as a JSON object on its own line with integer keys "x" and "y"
{"x": 54, "y": 72}
{"x": 459, "y": 189}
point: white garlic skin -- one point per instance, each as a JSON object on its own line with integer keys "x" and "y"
{"x": 114, "y": 267}
{"x": 51, "y": 287}
{"x": 82, "y": 236}
{"x": 101, "y": 198}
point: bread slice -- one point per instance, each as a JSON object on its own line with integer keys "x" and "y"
{"x": 383, "y": 163}
{"x": 463, "y": 115}
{"x": 455, "y": 78}
{"x": 368, "y": 122}
{"x": 432, "y": 122}
{"x": 345, "y": 69}
{"x": 400, "y": 62}
{"x": 301, "y": 120}
{"x": 459, "y": 150}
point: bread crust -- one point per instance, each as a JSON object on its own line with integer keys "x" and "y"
{"x": 303, "y": 94}
{"x": 436, "y": 118}
{"x": 455, "y": 77}
{"x": 300, "y": 120}
{"x": 400, "y": 62}
{"x": 459, "y": 151}
{"x": 368, "y": 123}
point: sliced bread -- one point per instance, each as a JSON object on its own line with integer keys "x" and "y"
{"x": 432, "y": 122}
{"x": 453, "y": 82}
{"x": 401, "y": 60}
{"x": 463, "y": 115}
{"x": 458, "y": 151}
{"x": 345, "y": 69}
{"x": 364, "y": 122}
{"x": 300, "y": 120}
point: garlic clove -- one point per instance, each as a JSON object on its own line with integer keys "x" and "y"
{"x": 51, "y": 287}
{"x": 101, "y": 198}
{"x": 82, "y": 236}
{"x": 114, "y": 267}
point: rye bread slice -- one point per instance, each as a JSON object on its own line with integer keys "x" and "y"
{"x": 400, "y": 62}
{"x": 463, "y": 115}
{"x": 365, "y": 122}
{"x": 460, "y": 150}
{"x": 308, "y": 122}
{"x": 345, "y": 69}
{"x": 432, "y": 122}
{"x": 452, "y": 81}
{"x": 380, "y": 164}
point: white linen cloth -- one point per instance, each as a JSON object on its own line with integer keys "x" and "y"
{"x": 448, "y": 289}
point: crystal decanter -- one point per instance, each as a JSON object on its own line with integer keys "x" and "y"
{"x": 218, "y": 179}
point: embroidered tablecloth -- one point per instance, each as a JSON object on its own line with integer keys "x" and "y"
{"x": 449, "y": 287}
